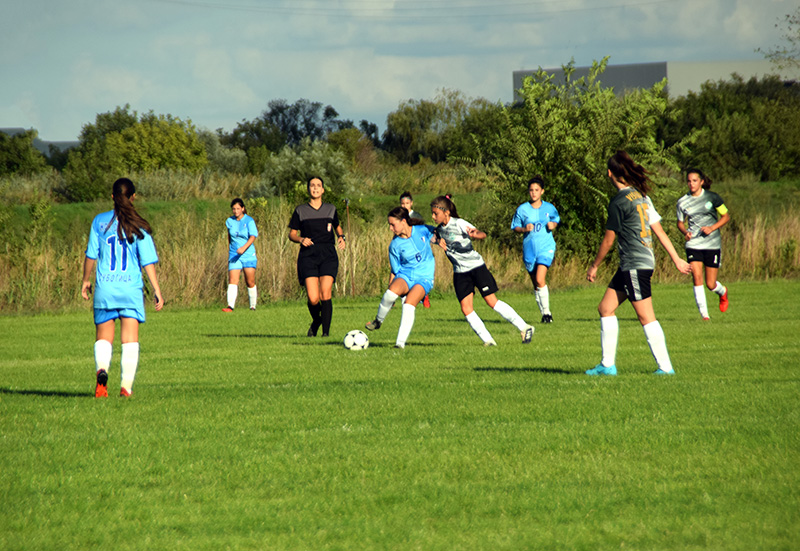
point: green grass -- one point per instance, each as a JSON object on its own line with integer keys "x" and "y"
{"x": 244, "y": 434}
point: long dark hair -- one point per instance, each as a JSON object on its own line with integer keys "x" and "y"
{"x": 706, "y": 180}
{"x": 129, "y": 223}
{"x": 445, "y": 202}
{"x": 626, "y": 169}
{"x": 401, "y": 213}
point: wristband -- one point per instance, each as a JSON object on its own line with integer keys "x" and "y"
{"x": 342, "y": 237}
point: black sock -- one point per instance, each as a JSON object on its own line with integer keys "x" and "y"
{"x": 327, "y": 315}
{"x": 316, "y": 315}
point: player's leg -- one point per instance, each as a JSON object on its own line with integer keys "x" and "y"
{"x": 129, "y": 362}
{"x": 397, "y": 288}
{"x": 654, "y": 335}
{"x": 326, "y": 303}
{"x": 413, "y": 297}
{"x": 233, "y": 288}
{"x": 543, "y": 292}
{"x": 104, "y": 337}
{"x": 474, "y": 320}
{"x": 699, "y": 289}
{"x": 250, "y": 281}
{"x": 314, "y": 307}
{"x": 712, "y": 269}
{"x": 532, "y": 275}
{"x": 609, "y": 329}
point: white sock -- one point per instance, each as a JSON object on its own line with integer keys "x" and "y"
{"x": 102, "y": 355}
{"x": 609, "y": 334}
{"x": 478, "y": 326}
{"x": 129, "y": 363}
{"x": 406, "y": 323}
{"x": 387, "y": 301}
{"x": 720, "y": 289}
{"x": 233, "y": 292}
{"x": 700, "y": 300}
{"x": 538, "y": 300}
{"x": 252, "y": 294}
{"x": 510, "y": 315}
{"x": 544, "y": 297}
{"x": 658, "y": 345}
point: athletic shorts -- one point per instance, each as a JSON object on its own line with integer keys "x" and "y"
{"x": 464, "y": 283}
{"x": 634, "y": 283}
{"x": 318, "y": 263}
{"x": 239, "y": 263}
{"x": 545, "y": 258}
{"x": 426, "y": 284}
{"x": 102, "y": 315}
{"x": 709, "y": 257}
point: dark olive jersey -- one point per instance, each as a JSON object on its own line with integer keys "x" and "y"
{"x": 629, "y": 216}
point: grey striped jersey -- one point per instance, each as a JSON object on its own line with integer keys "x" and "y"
{"x": 697, "y": 212}
{"x": 630, "y": 215}
{"x": 459, "y": 245}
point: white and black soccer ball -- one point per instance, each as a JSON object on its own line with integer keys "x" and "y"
{"x": 356, "y": 340}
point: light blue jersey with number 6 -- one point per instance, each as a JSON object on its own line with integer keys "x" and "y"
{"x": 118, "y": 280}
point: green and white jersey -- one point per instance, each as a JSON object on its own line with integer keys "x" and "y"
{"x": 700, "y": 211}
{"x": 629, "y": 216}
{"x": 459, "y": 245}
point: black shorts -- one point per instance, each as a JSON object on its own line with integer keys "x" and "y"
{"x": 634, "y": 283}
{"x": 317, "y": 262}
{"x": 709, "y": 257}
{"x": 480, "y": 277}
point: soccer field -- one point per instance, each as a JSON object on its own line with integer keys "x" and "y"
{"x": 242, "y": 433}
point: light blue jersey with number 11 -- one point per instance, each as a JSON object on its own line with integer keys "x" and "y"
{"x": 118, "y": 280}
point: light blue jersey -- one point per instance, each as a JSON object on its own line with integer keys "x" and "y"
{"x": 118, "y": 279}
{"x": 412, "y": 259}
{"x": 538, "y": 246}
{"x": 240, "y": 231}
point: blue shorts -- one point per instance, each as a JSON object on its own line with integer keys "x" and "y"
{"x": 239, "y": 263}
{"x": 545, "y": 258}
{"x": 426, "y": 284}
{"x": 102, "y": 315}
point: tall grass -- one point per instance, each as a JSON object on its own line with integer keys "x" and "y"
{"x": 42, "y": 248}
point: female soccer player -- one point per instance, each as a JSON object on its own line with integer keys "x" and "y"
{"x": 242, "y": 233}
{"x": 701, "y": 213}
{"x": 315, "y": 226}
{"x": 413, "y": 268}
{"x": 119, "y": 246}
{"x": 454, "y": 235}
{"x": 407, "y": 202}
{"x": 537, "y": 219}
{"x": 632, "y": 217}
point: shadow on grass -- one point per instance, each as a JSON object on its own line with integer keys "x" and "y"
{"x": 57, "y": 393}
{"x": 245, "y": 336}
{"x": 555, "y": 370}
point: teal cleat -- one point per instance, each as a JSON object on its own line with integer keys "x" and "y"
{"x": 600, "y": 369}
{"x": 662, "y": 372}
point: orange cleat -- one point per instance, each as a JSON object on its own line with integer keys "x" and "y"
{"x": 124, "y": 392}
{"x": 426, "y": 302}
{"x": 101, "y": 389}
{"x": 227, "y": 309}
{"x": 723, "y": 302}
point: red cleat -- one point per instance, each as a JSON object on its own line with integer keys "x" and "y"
{"x": 227, "y": 309}
{"x": 124, "y": 393}
{"x": 723, "y": 302}
{"x": 426, "y": 302}
{"x": 101, "y": 389}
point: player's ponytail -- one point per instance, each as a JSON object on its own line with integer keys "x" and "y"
{"x": 129, "y": 223}
{"x": 705, "y": 179}
{"x": 445, "y": 202}
{"x": 629, "y": 171}
{"x": 401, "y": 213}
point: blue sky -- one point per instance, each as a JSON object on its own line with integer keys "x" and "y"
{"x": 217, "y": 62}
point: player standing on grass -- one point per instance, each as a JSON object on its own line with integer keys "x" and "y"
{"x": 242, "y": 232}
{"x": 413, "y": 267}
{"x": 632, "y": 217}
{"x": 537, "y": 219}
{"x": 701, "y": 213}
{"x": 407, "y": 202}
{"x": 119, "y": 247}
{"x": 315, "y": 226}
{"x": 455, "y": 235}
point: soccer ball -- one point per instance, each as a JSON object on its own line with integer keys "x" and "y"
{"x": 356, "y": 340}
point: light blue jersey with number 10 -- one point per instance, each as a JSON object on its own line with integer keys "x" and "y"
{"x": 118, "y": 280}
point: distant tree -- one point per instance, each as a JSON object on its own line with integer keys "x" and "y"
{"x": 259, "y": 132}
{"x": 19, "y": 156}
{"x": 121, "y": 143}
{"x": 788, "y": 55}
{"x": 220, "y": 157}
{"x": 56, "y": 157}
{"x": 370, "y": 130}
